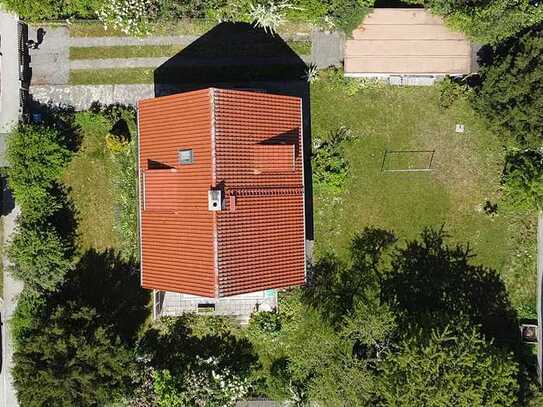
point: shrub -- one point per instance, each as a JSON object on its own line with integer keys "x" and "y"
{"x": 36, "y": 10}
{"x": 203, "y": 384}
{"x": 453, "y": 367}
{"x": 171, "y": 9}
{"x": 132, "y": 17}
{"x": 451, "y": 90}
{"x": 487, "y": 21}
{"x": 522, "y": 179}
{"x": 511, "y": 94}
{"x": 344, "y": 15}
{"x": 41, "y": 257}
{"x": 37, "y": 156}
{"x": 70, "y": 359}
{"x": 116, "y": 144}
{"x": 126, "y": 183}
{"x": 269, "y": 16}
{"x": 30, "y": 307}
{"x": 330, "y": 168}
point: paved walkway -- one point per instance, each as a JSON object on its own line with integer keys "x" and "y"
{"x": 82, "y": 96}
{"x": 9, "y": 116}
{"x": 50, "y": 62}
{"x": 9, "y": 73}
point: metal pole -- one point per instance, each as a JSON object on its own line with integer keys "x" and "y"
{"x": 383, "y": 163}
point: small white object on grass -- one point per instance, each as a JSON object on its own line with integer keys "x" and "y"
{"x": 459, "y": 128}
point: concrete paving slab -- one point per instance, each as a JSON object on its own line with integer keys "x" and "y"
{"x": 50, "y": 62}
{"x": 81, "y": 97}
{"x": 9, "y": 72}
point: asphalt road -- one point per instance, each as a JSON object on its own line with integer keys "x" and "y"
{"x": 9, "y": 116}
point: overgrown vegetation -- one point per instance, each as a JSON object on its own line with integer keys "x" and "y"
{"x": 137, "y": 17}
{"x": 487, "y": 21}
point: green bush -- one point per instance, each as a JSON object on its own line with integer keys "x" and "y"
{"x": 126, "y": 183}
{"x": 35, "y": 10}
{"x": 30, "y": 307}
{"x": 451, "y": 90}
{"x": 522, "y": 179}
{"x": 452, "y": 367}
{"x": 330, "y": 167}
{"x": 41, "y": 257}
{"x": 511, "y": 94}
{"x": 69, "y": 359}
{"x": 37, "y": 156}
{"x": 487, "y": 21}
{"x": 344, "y": 15}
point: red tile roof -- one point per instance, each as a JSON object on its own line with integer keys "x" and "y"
{"x": 248, "y": 146}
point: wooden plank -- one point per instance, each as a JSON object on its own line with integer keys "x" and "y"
{"x": 407, "y": 65}
{"x": 423, "y": 48}
{"x": 405, "y": 32}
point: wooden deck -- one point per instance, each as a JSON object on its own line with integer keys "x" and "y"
{"x": 406, "y": 42}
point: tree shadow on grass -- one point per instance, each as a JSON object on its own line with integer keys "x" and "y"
{"x": 104, "y": 281}
{"x": 426, "y": 283}
{"x": 176, "y": 347}
{"x": 433, "y": 284}
{"x": 60, "y": 117}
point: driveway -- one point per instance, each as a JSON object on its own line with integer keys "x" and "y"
{"x": 9, "y": 116}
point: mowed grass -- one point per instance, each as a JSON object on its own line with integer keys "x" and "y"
{"x": 466, "y": 173}
{"x": 140, "y": 51}
{"x": 89, "y": 179}
{"x": 300, "y": 47}
{"x": 111, "y": 76}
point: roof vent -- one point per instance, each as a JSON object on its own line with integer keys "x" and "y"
{"x": 215, "y": 200}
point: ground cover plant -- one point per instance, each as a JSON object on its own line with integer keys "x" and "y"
{"x": 460, "y": 193}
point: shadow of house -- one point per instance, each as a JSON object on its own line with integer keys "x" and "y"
{"x": 240, "y": 56}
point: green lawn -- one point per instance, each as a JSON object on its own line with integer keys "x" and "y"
{"x": 149, "y": 51}
{"x": 90, "y": 185}
{"x": 466, "y": 173}
{"x": 124, "y": 51}
{"x": 300, "y": 47}
{"x": 111, "y": 76}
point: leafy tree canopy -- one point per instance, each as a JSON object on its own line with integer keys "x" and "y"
{"x": 68, "y": 358}
{"x": 451, "y": 367}
{"x": 511, "y": 93}
{"x": 37, "y": 156}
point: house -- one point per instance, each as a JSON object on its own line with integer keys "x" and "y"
{"x": 221, "y": 198}
{"x": 407, "y": 46}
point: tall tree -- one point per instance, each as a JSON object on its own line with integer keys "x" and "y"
{"x": 511, "y": 93}
{"x": 68, "y": 358}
